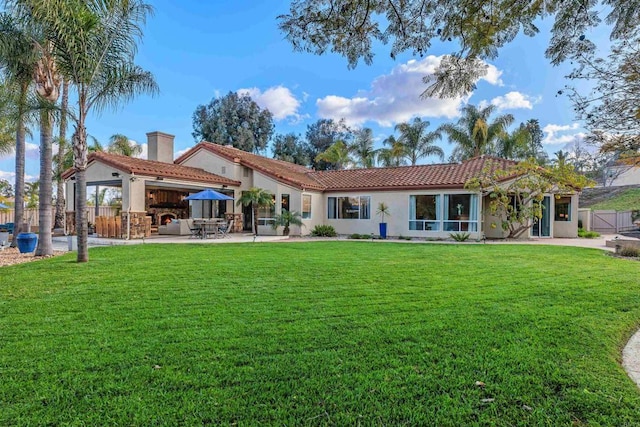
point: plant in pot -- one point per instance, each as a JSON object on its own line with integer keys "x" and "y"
{"x": 286, "y": 219}
{"x": 383, "y": 210}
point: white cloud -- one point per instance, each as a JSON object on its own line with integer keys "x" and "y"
{"x": 181, "y": 152}
{"x": 11, "y": 177}
{"x": 277, "y": 99}
{"x": 395, "y": 97}
{"x": 144, "y": 154}
{"x": 512, "y": 101}
{"x": 560, "y": 134}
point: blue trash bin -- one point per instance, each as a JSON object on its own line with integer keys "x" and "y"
{"x": 27, "y": 242}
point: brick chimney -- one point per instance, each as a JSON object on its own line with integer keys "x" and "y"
{"x": 160, "y": 146}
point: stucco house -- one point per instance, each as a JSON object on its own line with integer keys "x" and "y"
{"x": 426, "y": 201}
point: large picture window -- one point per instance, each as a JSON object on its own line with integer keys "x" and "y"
{"x": 306, "y": 206}
{"x": 424, "y": 212}
{"x": 460, "y": 212}
{"x": 358, "y": 207}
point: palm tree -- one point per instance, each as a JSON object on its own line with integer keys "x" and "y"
{"x": 31, "y": 194}
{"x": 120, "y": 144}
{"x": 94, "y": 44}
{"x": 362, "y": 148}
{"x": 286, "y": 219}
{"x": 47, "y": 83}
{"x": 473, "y": 134}
{"x": 418, "y": 143}
{"x": 58, "y": 220}
{"x": 18, "y": 58}
{"x": 514, "y": 145}
{"x": 336, "y": 155}
{"x": 562, "y": 158}
{"x": 7, "y": 119}
{"x": 257, "y": 198}
{"x": 394, "y": 155}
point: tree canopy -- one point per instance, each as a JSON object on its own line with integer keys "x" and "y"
{"x": 291, "y": 148}
{"x": 323, "y": 134}
{"x": 234, "y": 120}
{"x": 475, "y": 29}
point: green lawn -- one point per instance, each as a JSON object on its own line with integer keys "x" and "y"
{"x": 322, "y": 333}
{"x": 625, "y": 201}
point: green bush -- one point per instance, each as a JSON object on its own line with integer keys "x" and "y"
{"x": 324, "y": 231}
{"x": 587, "y": 234}
{"x": 358, "y": 236}
{"x": 630, "y": 251}
{"x": 459, "y": 237}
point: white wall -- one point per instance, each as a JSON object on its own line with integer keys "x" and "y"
{"x": 398, "y": 221}
{"x": 624, "y": 175}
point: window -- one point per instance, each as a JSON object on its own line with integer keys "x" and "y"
{"x": 266, "y": 214}
{"x": 224, "y": 170}
{"x": 306, "y": 206}
{"x": 245, "y": 172}
{"x": 284, "y": 202}
{"x": 358, "y": 207}
{"x": 460, "y": 212}
{"x": 563, "y": 209}
{"x": 424, "y": 212}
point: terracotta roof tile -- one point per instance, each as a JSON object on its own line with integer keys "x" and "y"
{"x": 451, "y": 175}
{"x": 288, "y": 173}
{"x": 155, "y": 168}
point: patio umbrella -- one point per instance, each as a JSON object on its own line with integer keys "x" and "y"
{"x": 208, "y": 194}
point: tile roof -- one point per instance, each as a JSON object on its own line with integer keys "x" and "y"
{"x": 288, "y": 173}
{"x": 451, "y": 175}
{"x": 155, "y": 168}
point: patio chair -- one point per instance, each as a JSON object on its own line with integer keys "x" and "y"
{"x": 195, "y": 230}
{"x": 225, "y": 228}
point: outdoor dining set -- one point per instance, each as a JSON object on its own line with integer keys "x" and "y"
{"x": 211, "y": 227}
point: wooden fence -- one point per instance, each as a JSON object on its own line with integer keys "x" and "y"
{"x": 611, "y": 222}
{"x": 32, "y": 215}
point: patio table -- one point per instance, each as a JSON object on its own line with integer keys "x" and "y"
{"x": 208, "y": 227}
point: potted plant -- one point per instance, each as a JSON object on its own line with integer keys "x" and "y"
{"x": 383, "y": 209}
{"x": 285, "y": 219}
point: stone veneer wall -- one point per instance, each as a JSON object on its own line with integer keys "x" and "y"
{"x": 237, "y": 221}
{"x": 140, "y": 224}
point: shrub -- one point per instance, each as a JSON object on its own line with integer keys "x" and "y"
{"x": 587, "y": 234}
{"x": 459, "y": 237}
{"x": 630, "y": 251}
{"x": 579, "y": 223}
{"x": 324, "y": 231}
{"x": 358, "y": 236}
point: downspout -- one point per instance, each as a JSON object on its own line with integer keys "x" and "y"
{"x": 131, "y": 179}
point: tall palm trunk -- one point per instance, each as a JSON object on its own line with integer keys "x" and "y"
{"x": 47, "y": 82}
{"x": 254, "y": 208}
{"x": 60, "y": 197}
{"x": 20, "y": 164}
{"x": 45, "y": 244}
{"x": 80, "y": 163}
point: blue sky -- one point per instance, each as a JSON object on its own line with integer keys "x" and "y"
{"x": 198, "y": 50}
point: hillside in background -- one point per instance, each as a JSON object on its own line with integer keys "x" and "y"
{"x": 611, "y": 198}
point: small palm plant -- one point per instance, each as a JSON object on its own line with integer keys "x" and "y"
{"x": 286, "y": 219}
{"x": 383, "y": 209}
{"x": 257, "y": 198}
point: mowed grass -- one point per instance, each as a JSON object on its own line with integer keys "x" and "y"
{"x": 322, "y": 333}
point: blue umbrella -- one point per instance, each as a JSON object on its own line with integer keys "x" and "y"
{"x": 3, "y": 206}
{"x": 208, "y": 194}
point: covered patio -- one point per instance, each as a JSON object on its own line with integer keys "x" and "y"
{"x": 152, "y": 194}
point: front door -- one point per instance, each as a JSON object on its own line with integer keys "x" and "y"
{"x": 542, "y": 226}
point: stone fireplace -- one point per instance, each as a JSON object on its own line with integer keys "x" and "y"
{"x": 165, "y": 218}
